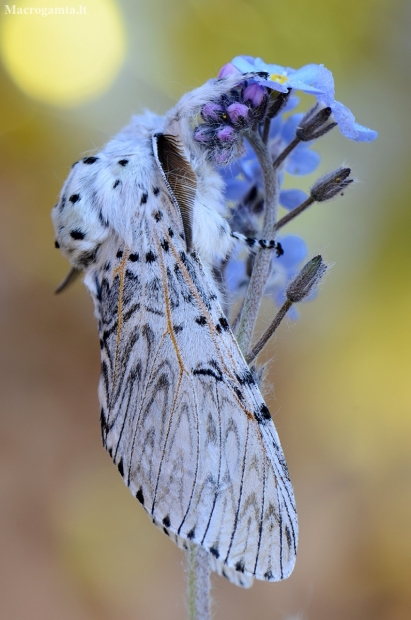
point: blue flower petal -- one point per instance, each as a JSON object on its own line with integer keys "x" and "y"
{"x": 364, "y": 134}
{"x": 290, "y": 127}
{"x": 325, "y": 83}
{"x": 312, "y": 79}
{"x": 292, "y": 198}
{"x": 295, "y": 251}
{"x": 302, "y": 161}
{"x": 292, "y": 103}
{"x": 236, "y": 188}
{"x": 276, "y": 126}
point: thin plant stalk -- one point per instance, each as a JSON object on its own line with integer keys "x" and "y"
{"x": 262, "y": 263}
{"x": 198, "y": 586}
{"x": 269, "y": 332}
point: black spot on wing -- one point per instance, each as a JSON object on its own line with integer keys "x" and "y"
{"x": 119, "y": 253}
{"x": 268, "y": 575}
{"x": 201, "y": 320}
{"x": 166, "y": 521}
{"x": 144, "y": 198}
{"x": 262, "y": 415}
{"x": 240, "y": 566}
{"x": 239, "y": 393}
{"x": 102, "y": 220}
{"x": 77, "y": 234}
{"x": 224, "y": 323}
{"x": 215, "y": 552}
{"x": 171, "y": 232}
{"x": 133, "y": 257}
{"x": 165, "y": 245}
{"x": 140, "y": 496}
{"x": 116, "y": 183}
{"x": 288, "y": 536}
{"x": 56, "y": 244}
{"x": 156, "y": 191}
{"x": 177, "y": 328}
{"x": 246, "y": 378}
{"x": 90, "y": 160}
{"x": 123, "y": 162}
{"x": 120, "y": 467}
{"x": 150, "y": 257}
{"x": 158, "y": 216}
{"x": 74, "y": 198}
{"x": 191, "y": 534}
{"x": 211, "y": 370}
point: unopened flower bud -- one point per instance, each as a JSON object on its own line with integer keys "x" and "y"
{"x": 254, "y": 93}
{"x": 307, "y": 280}
{"x": 212, "y": 111}
{"x": 226, "y": 134}
{"x": 204, "y": 134}
{"x": 238, "y": 113}
{"x": 227, "y": 70}
{"x": 331, "y": 184}
{"x": 315, "y": 124}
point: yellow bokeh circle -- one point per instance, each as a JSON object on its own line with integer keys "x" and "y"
{"x": 62, "y": 54}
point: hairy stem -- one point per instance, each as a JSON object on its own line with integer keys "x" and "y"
{"x": 277, "y": 162}
{"x": 268, "y": 332}
{"x": 262, "y": 263}
{"x": 198, "y": 569}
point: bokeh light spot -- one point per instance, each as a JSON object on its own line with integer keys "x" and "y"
{"x": 64, "y": 58}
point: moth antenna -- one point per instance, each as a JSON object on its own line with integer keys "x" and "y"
{"x": 179, "y": 178}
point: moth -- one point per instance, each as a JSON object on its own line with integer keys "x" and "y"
{"x": 181, "y": 415}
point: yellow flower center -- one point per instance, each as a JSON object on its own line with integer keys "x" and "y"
{"x": 276, "y": 77}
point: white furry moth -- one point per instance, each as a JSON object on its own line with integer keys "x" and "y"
{"x": 181, "y": 415}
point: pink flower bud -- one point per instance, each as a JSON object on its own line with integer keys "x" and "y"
{"x": 254, "y": 93}
{"x": 227, "y": 70}
{"x": 211, "y": 111}
{"x": 236, "y": 111}
{"x": 226, "y": 134}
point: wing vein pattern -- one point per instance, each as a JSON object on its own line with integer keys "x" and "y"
{"x": 181, "y": 414}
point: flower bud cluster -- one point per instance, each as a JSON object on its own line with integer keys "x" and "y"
{"x": 225, "y": 120}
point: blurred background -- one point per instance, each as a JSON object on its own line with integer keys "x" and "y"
{"x": 74, "y": 543}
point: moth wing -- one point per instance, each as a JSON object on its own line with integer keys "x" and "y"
{"x": 181, "y": 415}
